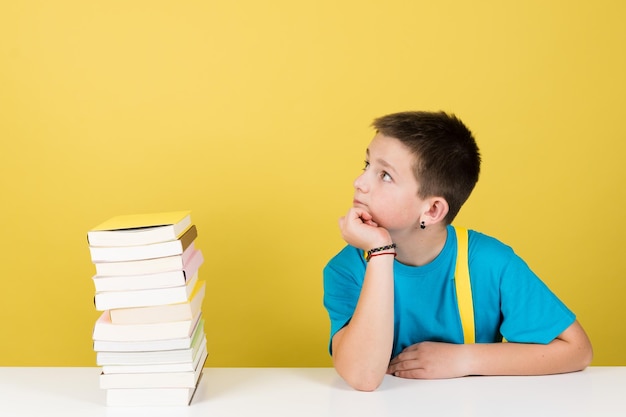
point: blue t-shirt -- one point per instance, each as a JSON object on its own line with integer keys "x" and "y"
{"x": 510, "y": 301}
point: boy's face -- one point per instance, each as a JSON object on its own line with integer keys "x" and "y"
{"x": 387, "y": 188}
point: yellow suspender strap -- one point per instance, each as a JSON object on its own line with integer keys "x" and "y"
{"x": 463, "y": 287}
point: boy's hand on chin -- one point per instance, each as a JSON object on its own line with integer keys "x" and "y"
{"x": 359, "y": 229}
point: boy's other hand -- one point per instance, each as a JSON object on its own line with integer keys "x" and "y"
{"x": 429, "y": 360}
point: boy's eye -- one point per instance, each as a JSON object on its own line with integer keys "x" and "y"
{"x": 385, "y": 176}
{"x": 367, "y": 164}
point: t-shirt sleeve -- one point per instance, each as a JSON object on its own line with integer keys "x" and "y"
{"x": 343, "y": 277}
{"x": 531, "y": 312}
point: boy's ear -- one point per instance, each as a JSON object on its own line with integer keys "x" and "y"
{"x": 437, "y": 210}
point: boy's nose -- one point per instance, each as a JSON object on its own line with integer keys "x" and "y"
{"x": 360, "y": 183}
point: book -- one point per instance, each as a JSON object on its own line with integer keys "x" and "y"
{"x": 139, "y": 252}
{"x": 149, "y": 345}
{"x": 156, "y": 368}
{"x": 150, "y": 397}
{"x": 163, "y": 312}
{"x": 152, "y": 357}
{"x": 145, "y": 266}
{"x": 109, "y": 300}
{"x": 140, "y": 229}
{"x": 174, "y": 278}
{"x": 187, "y": 379}
{"x": 105, "y": 330}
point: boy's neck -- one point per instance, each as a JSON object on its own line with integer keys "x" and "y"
{"x": 421, "y": 246}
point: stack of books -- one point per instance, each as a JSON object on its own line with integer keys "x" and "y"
{"x": 149, "y": 339}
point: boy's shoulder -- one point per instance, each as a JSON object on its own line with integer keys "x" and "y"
{"x": 483, "y": 243}
{"x": 488, "y": 253}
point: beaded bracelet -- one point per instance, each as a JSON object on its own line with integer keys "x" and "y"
{"x": 380, "y": 249}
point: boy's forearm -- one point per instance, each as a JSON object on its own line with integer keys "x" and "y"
{"x": 569, "y": 352}
{"x": 520, "y": 359}
{"x": 361, "y": 350}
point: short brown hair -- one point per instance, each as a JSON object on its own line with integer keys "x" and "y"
{"x": 446, "y": 154}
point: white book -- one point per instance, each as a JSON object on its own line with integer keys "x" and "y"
{"x": 105, "y": 330}
{"x": 164, "y": 279}
{"x": 109, "y": 300}
{"x": 153, "y": 357}
{"x": 154, "y": 380}
{"x": 151, "y": 397}
{"x": 163, "y": 312}
{"x": 140, "y": 229}
{"x": 145, "y": 266}
{"x": 157, "y": 368}
{"x": 149, "y": 345}
{"x": 150, "y": 251}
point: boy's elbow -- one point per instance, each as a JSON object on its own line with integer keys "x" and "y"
{"x": 580, "y": 348}
{"x": 586, "y": 356}
{"x": 583, "y": 353}
{"x": 359, "y": 379}
{"x": 366, "y": 384}
{"x": 358, "y": 375}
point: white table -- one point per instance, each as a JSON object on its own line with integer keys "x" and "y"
{"x": 296, "y": 392}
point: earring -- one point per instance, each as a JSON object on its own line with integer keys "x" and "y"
{"x": 422, "y": 225}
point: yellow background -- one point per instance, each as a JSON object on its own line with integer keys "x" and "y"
{"x": 255, "y": 116}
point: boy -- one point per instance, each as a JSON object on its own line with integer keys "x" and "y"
{"x": 390, "y": 292}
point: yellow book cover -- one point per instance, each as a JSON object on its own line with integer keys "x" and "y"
{"x": 134, "y": 221}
